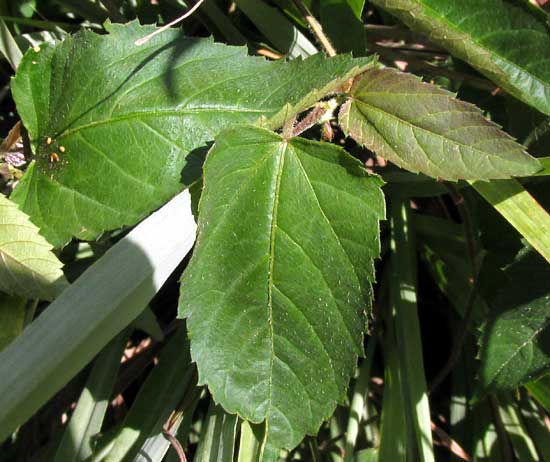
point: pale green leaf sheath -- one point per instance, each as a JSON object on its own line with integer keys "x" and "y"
{"x": 27, "y": 266}
{"x": 423, "y": 128}
{"x": 280, "y": 280}
{"x": 502, "y": 39}
{"x": 113, "y": 123}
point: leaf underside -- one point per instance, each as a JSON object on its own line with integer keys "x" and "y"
{"x": 500, "y": 38}
{"x": 114, "y": 124}
{"x": 28, "y": 268}
{"x": 423, "y": 128}
{"x": 277, "y": 288}
{"x": 516, "y": 340}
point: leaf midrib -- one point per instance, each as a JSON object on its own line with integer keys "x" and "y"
{"x": 272, "y": 230}
{"x": 159, "y": 114}
{"x": 529, "y": 340}
{"x": 407, "y": 123}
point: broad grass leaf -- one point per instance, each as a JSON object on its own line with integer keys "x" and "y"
{"x": 504, "y": 39}
{"x": 423, "y": 128}
{"x": 28, "y": 267}
{"x": 277, "y": 289}
{"x": 119, "y": 129}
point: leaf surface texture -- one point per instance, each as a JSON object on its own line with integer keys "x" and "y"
{"x": 28, "y": 266}
{"x": 423, "y": 128}
{"x": 114, "y": 124}
{"x": 507, "y": 40}
{"x": 516, "y": 340}
{"x": 276, "y": 292}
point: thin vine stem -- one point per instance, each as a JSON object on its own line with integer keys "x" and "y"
{"x": 471, "y": 245}
{"x": 144, "y": 40}
{"x": 316, "y": 28}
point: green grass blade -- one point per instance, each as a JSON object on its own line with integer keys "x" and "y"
{"x": 277, "y": 28}
{"x": 534, "y": 423}
{"x": 545, "y": 162}
{"x": 40, "y": 24}
{"x": 522, "y": 444}
{"x": 358, "y": 406}
{"x": 12, "y": 318}
{"x": 486, "y": 445}
{"x": 165, "y": 387}
{"x": 217, "y": 17}
{"x": 87, "y": 419}
{"x": 8, "y": 46}
{"x": 521, "y": 210}
{"x": 86, "y": 9}
{"x": 367, "y": 455}
{"x": 249, "y": 447}
{"x": 96, "y": 307}
{"x": 148, "y": 323}
{"x": 404, "y": 302}
{"x": 182, "y": 432}
{"x": 217, "y": 443}
{"x": 540, "y": 390}
{"x": 394, "y": 433}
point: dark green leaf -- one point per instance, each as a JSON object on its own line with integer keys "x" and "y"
{"x": 277, "y": 288}
{"x": 122, "y": 119}
{"x": 500, "y": 38}
{"x": 521, "y": 210}
{"x": 540, "y": 389}
{"x": 87, "y": 419}
{"x": 27, "y": 265}
{"x": 12, "y": 318}
{"x": 423, "y": 128}
{"x": 93, "y": 309}
{"x": 342, "y": 25}
{"x": 516, "y": 341}
{"x": 165, "y": 387}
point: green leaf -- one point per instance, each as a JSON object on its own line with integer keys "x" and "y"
{"x": 27, "y": 265}
{"x": 522, "y": 443}
{"x": 367, "y": 455}
{"x": 342, "y": 25}
{"x": 87, "y": 419}
{"x": 358, "y": 410}
{"x": 97, "y": 306}
{"x": 217, "y": 441}
{"x": 403, "y": 301}
{"x": 502, "y": 39}
{"x": 356, "y": 6}
{"x": 276, "y": 291}
{"x": 516, "y": 340}
{"x": 520, "y": 209}
{"x": 12, "y": 318}
{"x": 8, "y": 46}
{"x": 423, "y": 128}
{"x": 122, "y": 119}
{"x": 165, "y": 387}
{"x": 277, "y": 28}
{"x": 540, "y": 389}
{"x": 249, "y": 444}
{"x": 395, "y": 427}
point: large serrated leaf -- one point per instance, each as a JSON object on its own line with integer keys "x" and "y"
{"x": 516, "y": 340}
{"x": 27, "y": 265}
{"x": 113, "y": 123}
{"x": 423, "y": 128}
{"x": 277, "y": 288}
{"x": 500, "y": 38}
